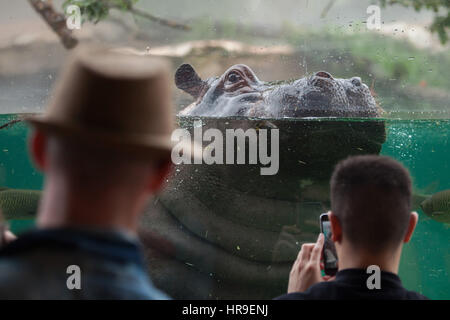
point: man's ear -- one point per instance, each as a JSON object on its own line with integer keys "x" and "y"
{"x": 159, "y": 175}
{"x": 188, "y": 80}
{"x": 38, "y": 145}
{"x": 414, "y": 217}
{"x": 336, "y": 228}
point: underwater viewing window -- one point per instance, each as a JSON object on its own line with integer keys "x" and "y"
{"x": 226, "y": 231}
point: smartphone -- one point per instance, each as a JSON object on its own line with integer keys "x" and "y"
{"x": 329, "y": 253}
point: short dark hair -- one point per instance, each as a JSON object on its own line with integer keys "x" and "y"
{"x": 371, "y": 197}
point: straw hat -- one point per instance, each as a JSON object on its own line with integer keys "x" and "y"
{"x": 112, "y": 100}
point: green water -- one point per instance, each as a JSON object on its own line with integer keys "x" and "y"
{"x": 423, "y": 146}
{"x": 16, "y": 169}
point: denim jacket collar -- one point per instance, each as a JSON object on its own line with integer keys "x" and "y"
{"x": 109, "y": 244}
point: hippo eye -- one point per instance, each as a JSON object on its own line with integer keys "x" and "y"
{"x": 324, "y": 74}
{"x": 356, "y": 82}
{"x": 234, "y": 77}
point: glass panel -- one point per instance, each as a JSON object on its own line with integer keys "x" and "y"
{"x": 226, "y": 231}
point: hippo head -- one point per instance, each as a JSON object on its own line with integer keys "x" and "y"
{"x": 239, "y": 92}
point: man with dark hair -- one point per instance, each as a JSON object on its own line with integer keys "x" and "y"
{"x": 370, "y": 220}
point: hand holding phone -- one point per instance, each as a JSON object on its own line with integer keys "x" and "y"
{"x": 306, "y": 269}
{"x": 330, "y": 258}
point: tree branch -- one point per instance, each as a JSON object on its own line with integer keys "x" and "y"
{"x": 149, "y": 16}
{"x": 165, "y": 22}
{"x": 56, "y": 21}
{"x": 327, "y": 8}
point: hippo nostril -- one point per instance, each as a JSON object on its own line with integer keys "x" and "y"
{"x": 323, "y": 74}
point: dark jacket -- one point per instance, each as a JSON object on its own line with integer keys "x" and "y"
{"x": 352, "y": 284}
{"x": 40, "y": 265}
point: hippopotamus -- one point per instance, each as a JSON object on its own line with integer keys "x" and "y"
{"x": 227, "y": 232}
{"x": 239, "y": 92}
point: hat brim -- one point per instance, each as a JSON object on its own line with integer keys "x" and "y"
{"x": 142, "y": 146}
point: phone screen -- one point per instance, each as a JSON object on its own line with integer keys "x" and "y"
{"x": 329, "y": 251}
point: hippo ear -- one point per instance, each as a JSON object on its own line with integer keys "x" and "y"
{"x": 188, "y": 80}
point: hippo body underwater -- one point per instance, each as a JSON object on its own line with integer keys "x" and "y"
{"x": 225, "y": 231}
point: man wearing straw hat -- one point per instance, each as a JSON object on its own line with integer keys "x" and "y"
{"x": 104, "y": 147}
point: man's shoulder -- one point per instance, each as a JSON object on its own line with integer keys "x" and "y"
{"x": 44, "y": 273}
{"x": 412, "y": 295}
{"x": 23, "y": 278}
{"x": 16, "y": 277}
{"x": 320, "y": 291}
{"x": 333, "y": 290}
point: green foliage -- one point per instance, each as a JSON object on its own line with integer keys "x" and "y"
{"x": 440, "y": 23}
{"x": 97, "y": 10}
{"x": 369, "y": 53}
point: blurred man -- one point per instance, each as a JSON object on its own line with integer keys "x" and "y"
{"x": 104, "y": 147}
{"x": 371, "y": 218}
